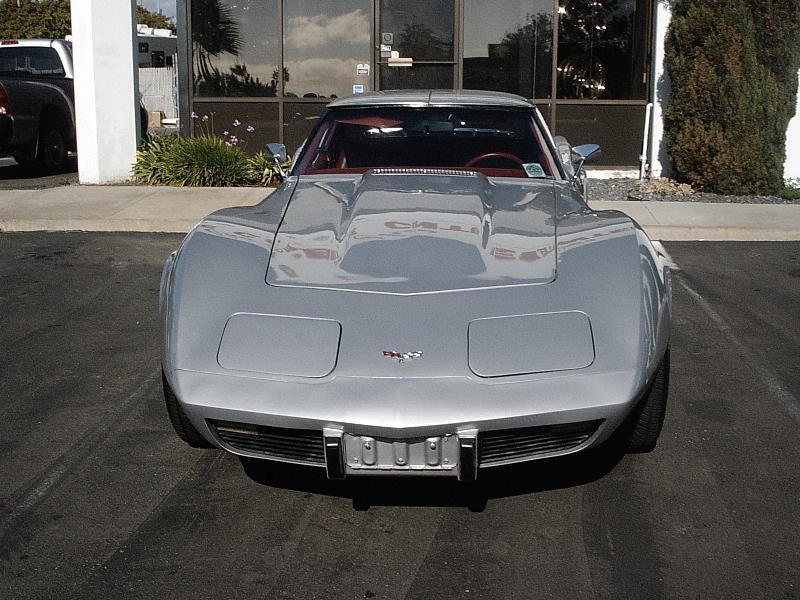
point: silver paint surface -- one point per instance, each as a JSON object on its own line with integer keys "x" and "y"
{"x": 527, "y": 307}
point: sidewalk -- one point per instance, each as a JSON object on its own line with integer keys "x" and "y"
{"x": 176, "y": 210}
{"x": 117, "y": 207}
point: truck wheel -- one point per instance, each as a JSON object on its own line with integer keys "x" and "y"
{"x": 24, "y": 159}
{"x": 180, "y": 422}
{"x": 52, "y": 151}
{"x": 648, "y": 418}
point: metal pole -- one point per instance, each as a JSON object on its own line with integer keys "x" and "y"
{"x": 645, "y": 141}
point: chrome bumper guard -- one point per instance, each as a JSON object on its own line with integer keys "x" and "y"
{"x": 448, "y": 455}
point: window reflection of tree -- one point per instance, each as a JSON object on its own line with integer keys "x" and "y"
{"x": 521, "y": 63}
{"x": 420, "y": 42}
{"x": 594, "y": 37}
{"x": 530, "y": 49}
{"x": 215, "y": 32}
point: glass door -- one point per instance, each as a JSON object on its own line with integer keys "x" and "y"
{"x": 416, "y": 44}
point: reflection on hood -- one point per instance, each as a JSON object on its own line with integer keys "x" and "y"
{"x": 411, "y": 232}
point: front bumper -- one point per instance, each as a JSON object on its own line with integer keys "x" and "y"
{"x": 458, "y": 454}
{"x": 451, "y": 427}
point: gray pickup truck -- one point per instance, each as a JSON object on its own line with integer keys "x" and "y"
{"x": 37, "y": 107}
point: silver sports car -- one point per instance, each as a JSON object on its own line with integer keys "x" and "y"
{"x": 427, "y": 293}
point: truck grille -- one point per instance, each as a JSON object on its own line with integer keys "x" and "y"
{"x": 507, "y": 446}
{"x": 300, "y": 446}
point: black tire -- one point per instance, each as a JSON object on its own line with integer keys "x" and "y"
{"x": 180, "y": 422}
{"x": 648, "y": 418}
{"x": 52, "y": 150}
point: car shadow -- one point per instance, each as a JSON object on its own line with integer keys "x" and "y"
{"x": 34, "y": 177}
{"x": 497, "y": 482}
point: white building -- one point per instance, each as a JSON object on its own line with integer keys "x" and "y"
{"x": 595, "y": 69}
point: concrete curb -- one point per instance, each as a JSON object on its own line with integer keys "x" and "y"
{"x": 177, "y": 210}
{"x": 696, "y": 221}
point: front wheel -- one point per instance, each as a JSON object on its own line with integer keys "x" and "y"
{"x": 648, "y": 417}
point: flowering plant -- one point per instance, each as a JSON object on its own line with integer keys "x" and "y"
{"x": 231, "y": 138}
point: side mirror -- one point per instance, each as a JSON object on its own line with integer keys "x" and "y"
{"x": 583, "y": 154}
{"x": 580, "y": 156}
{"x": 564, "y": 152}
{"x": 277, "y": 152}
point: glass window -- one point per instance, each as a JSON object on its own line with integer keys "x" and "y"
{"x": 498, "y": 143}
{"x": 324, "y": 43}
{"x": 236, "y": 47}
{"x": 418, "y": 29}
{"x": 508, "y": 46}
{"x": 416, "y": 77}
{"x": 616, "y": 127}
{"x": 603, "y": 49}
{"x": 248, "y": 125}
{"x": 30, "y": 60}
{"x": 299, "y": 118}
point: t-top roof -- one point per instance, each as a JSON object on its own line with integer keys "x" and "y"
{"x": 422, "y": 98}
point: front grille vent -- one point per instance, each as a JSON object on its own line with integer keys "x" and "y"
{"x": 508, "y": 446}
{"x": 301, "y": 446}
{"x": 304, "y": 446}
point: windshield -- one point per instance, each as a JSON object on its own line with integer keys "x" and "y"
{"x": 497, "y": 142}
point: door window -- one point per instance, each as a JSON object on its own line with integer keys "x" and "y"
{"x": 420, "y": 30}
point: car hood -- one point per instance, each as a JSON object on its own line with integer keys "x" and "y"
{"x": 416, "y": 231}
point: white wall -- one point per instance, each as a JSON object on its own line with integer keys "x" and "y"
{"x": 106, "y": 88}
{"x": 159, "y": 90}
{"x": 660, "y": 164}
{"x": 791, "y": 168}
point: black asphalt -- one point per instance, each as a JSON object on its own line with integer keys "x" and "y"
{"x": 99, "y": 499}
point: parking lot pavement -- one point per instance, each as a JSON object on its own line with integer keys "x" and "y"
{"x": 98, "y": 497}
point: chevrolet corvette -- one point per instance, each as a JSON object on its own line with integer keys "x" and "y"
{"x": 428, "y": 292}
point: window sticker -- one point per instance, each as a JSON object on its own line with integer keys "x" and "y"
{"x": 534, "y": 170}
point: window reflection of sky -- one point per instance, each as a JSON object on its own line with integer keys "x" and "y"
{"x": 324, "y": 42}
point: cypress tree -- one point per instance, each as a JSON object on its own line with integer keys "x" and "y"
{"x": 733, "y": 65}
{"x": 778, "y": 24}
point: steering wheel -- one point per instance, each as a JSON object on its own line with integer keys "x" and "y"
{"x": 490, "y": 155}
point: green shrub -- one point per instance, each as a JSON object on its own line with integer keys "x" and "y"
{"x": 205, "y": 160}
{"x": 728, "y": 109}
{"x": 149, "y": 167}
{"x": 263, "y": 170}
{"x": 791, "y": 190}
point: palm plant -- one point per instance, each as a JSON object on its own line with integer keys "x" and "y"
{"x": 214, "y": 32}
